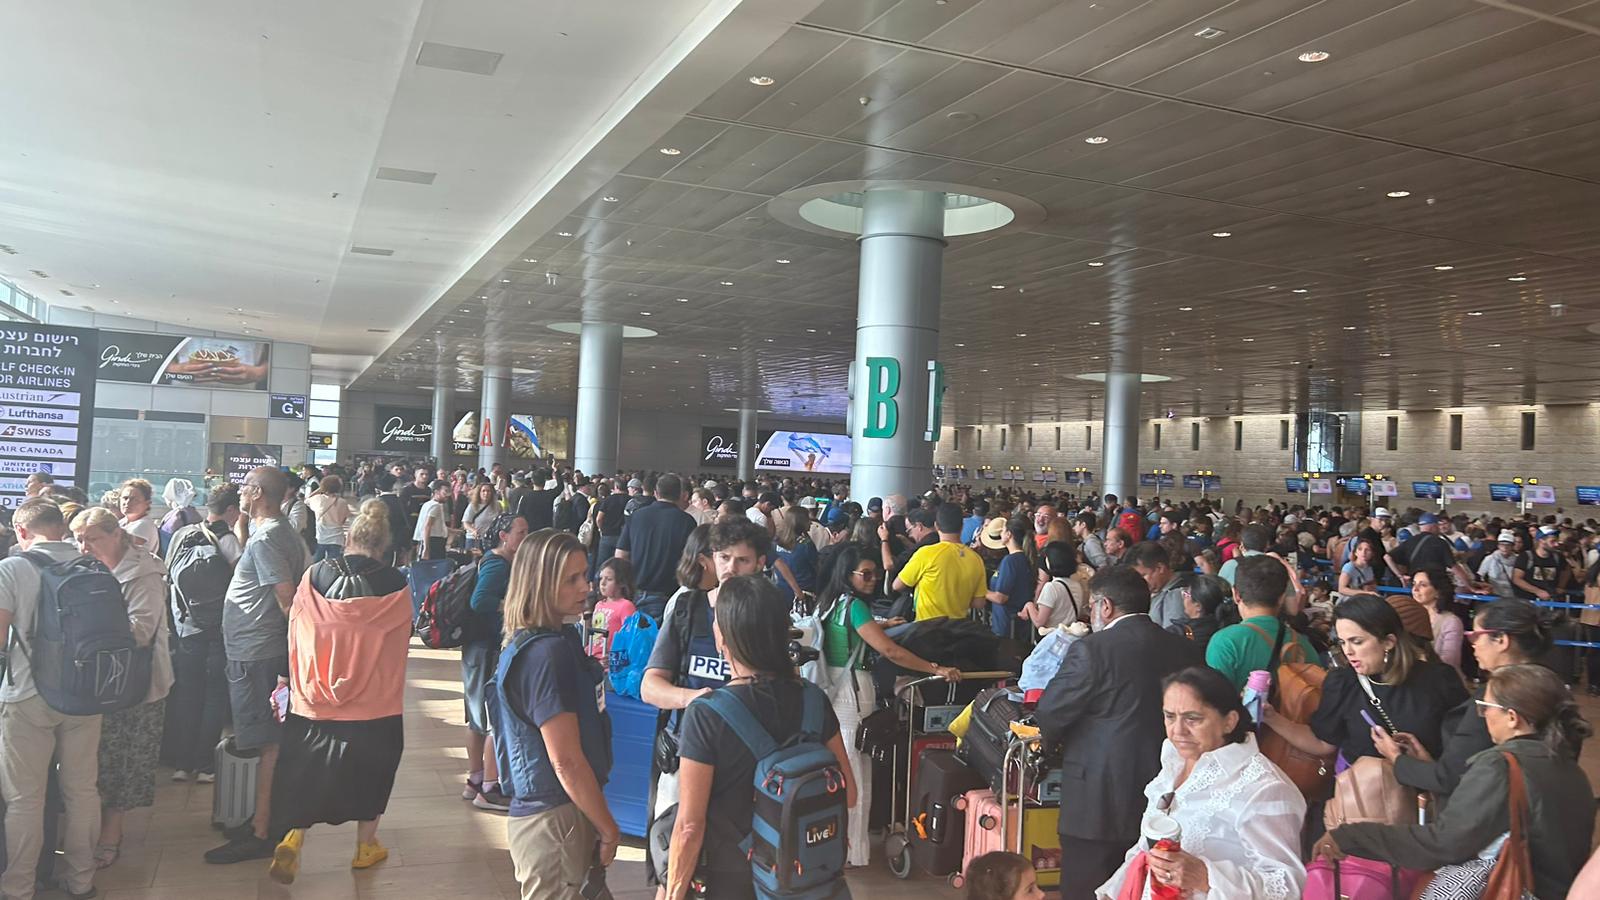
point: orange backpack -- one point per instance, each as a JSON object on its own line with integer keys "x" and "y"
{"x": 1296, "y": 693}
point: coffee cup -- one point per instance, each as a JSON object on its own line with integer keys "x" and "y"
{"x": 1158, "y": 826}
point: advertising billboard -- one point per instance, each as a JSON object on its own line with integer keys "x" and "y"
{"x": 1294, "y": 485}
{"x": 1459, "y": 490}
{"x": 536, "y": 437}
{"x": 806, "y": 451}
{"x": 1539, "y": 493}
{"x": 1508, "y": 492}
{"x": 1425, "y": 490}
{"x": 464, "y": 436}
{"x": 403, "y": 429}
{"x": 1588, "y": 495}
{"x": 719, "y": 447}
{"x": 146, "y": 358}
{"x": 47, "y": 375}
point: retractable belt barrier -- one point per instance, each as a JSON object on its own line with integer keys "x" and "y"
{"x": 1490, "y": 598}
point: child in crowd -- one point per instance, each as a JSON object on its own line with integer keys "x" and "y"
{"x": 616, "y": 587}
{"x": 1002, "y": 876}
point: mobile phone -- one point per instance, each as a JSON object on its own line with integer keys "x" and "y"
{"x": 1367, "y": 716}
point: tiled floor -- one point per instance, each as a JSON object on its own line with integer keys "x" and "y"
{"x": 440, "y": 848}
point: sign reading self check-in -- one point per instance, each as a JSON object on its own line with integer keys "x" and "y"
{"x": 883, "y": 382}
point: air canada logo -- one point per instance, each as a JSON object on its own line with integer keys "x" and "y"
{"x": 113, "y": 357}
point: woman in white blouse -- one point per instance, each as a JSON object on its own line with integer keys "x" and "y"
{"x": 1239, "y": 816}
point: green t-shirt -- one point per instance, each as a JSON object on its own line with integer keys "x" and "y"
{"x": 1238, "y": 650}
{"x": 839, "y": 637}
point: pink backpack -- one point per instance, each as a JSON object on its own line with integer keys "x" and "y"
{"x": 1354, "y": 878}
{"x": 604, "y": 623}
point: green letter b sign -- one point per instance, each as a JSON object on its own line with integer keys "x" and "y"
{"x": 883, "y": 383}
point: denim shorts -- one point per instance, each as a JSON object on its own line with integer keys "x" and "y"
{"x": 478, "y": 660}
{"x": 250, "y": 687}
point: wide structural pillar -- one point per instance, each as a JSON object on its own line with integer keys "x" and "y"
{"x": 599, "y": 398}
{"x": 1120, "y": 463}
{"x": 897, "y": 343}
{"x": 747, "y": 444}
{"x": 495, "y": 415}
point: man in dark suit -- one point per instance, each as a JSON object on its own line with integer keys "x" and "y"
{"x": 1103, "y": 708}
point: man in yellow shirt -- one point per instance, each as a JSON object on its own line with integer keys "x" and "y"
{"x": 949, "y": 578}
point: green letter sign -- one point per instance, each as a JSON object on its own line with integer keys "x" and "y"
{"x": 883, "y": 382}
{"x": 935, "y": 401}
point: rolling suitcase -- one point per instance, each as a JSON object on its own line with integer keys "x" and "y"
{"x": 989, "y": 826}
{"x": 234, "y": 800}
{"x": 988, "y": 739}
{"x": 936, "y": 824}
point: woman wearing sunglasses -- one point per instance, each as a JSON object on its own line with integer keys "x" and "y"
{"x": 1504, "y": 633}
{"x": 1529, "y": 714}
{"x": 848, "y": 632}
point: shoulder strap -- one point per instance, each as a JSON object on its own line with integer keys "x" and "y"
{"x": 732, "y": 710}
{"x": 682, "y": 627}
{"x": 811, "y": 710}
{"x": 1277, "y": 655}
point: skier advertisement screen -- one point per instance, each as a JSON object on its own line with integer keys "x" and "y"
{"x": 806, "y": 451}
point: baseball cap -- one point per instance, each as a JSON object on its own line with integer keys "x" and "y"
{"x": 1381, "y": 513}
{"x": 1427, "y": 519}
{"x": 835, "y": 518}
{"x": 1546, "y": 531}
{"x": 1291, "y": 519}
{"x": 993, "y": 534}
{"x": 808, "y": 503}
{"x": 875, "y": 504}
{"x": 710, "y": 484}
{"x": 1508, "y": 537}
{"x": 635, "y": 484}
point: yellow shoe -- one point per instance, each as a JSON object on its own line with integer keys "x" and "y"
{"x": 368, "y": 855}
{"x": 286, "y": 858}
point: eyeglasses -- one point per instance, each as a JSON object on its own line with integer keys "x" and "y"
{"x": 866, "y": 575}
{"x": 1483, "y": 703}
{"x": 1478, "y": 633}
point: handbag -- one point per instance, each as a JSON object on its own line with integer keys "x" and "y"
{"x": 1369, "y": 792}
{"x": 1509, "y": 875}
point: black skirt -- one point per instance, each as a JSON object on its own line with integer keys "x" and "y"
{"x": 332, "y": 772}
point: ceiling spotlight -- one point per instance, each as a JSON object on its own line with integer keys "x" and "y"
{"x": 782, "y": 262}
{"x": 683, "y": 299}
{"x": 1443, "y": 268}
{"x": 646, "y": 312}
{"x": 505, "y": 281}
{"x": 1249, "y": 340}
{"x": 1221, "y": 234}
{"x": 1494, "y": 346}
{"x": 1385, "y": 355}
{"x": 1097, "y": 139}
{"x": 1476, "y": 312}
{"x": 997, "y": 287}
{"x": 564, "y": 233}
{"x": 726, "y": 283}
{"x": 1185, "y": 309}
{"x": 1398, "y": 194}
{"x": 761, "y": 80}
{"x": 1314, "y": 56}
{"x": 608, "y": 199}
{"x": 959, "y": 344}
{"x": 1094, "y": 323}
{"x": 1096, "y": 265}
{"x": 529, "y": 259}
{"x": 1518, "y": 278}
{"x": 1022, "y": 334}
{"x": 1299, "y": 291}
{"x": 1349, "y": 328}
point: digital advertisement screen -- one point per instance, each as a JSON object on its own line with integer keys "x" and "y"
{"x": 1294, "y": 485}
{"x": 1539, "y": 493}
{"x": 536, "y": 437}
{"x": 1385, "y": 489}
{"x": 148, "y": 358}
{"x": 806, "y": 451}
{"x": 1508, "y": 492}
{"x": 1425, "y": 490}
{"x": 1458, "y": 491}
{"x": 1354, "y": 485}
{"x": 1589, "y": 495}
{"x": 464, "y": 434}
{"x": 1320, "y": 486}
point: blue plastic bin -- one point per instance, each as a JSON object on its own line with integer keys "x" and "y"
{"x": 633, "y": 735}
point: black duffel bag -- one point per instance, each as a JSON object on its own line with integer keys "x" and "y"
{"x": 989, "y": 736}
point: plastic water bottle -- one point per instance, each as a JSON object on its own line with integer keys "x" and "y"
{"x": 1254, "y": 697}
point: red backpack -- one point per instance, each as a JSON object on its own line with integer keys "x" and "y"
{"x": 1131, "y": 525}
{"x": 445, "y": 619}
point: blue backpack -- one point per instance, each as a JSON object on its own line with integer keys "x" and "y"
{"x": 797, "y": 838}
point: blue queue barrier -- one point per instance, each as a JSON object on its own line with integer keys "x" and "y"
{"x": 633, "y": 737}
{"x": 1490, "y": 598}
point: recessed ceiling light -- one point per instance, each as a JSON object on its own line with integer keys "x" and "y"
{"x": 1022, "y": 334}
{"x": 1476, "y": 312}
{"x": 1398, "y": 194}
{"x": 1299, "y": 291}
{"x": 1185, "y": 309}
{"x": 782, "y": 262}
{"x": 1385, "y": 355}
{"x": 1518, "y": 278}
{"x": 1443, "y": 268}
{"x": 1094, "y": 323}
{"x": 1097, "y": 139}
{"x": 1494, "y": 346}
{"x": 1209, "y": 33}
{"x": 761, "y": 80}
{"x": 726, "y": 283}
{"x": 1349, "y": 328}
{"x": 1314, "y": 56}
{"x": 670, "y": 151}
{"x": 1221, "y": 234}
{"x": 646, "y": 312}
{"x": 959, "y": 344}
{"x": 505, "y": 281}
{"x": 683, "y": 299}
{"x": 997, "y": 287}
{"x": 529, "y": 259}
{"x": 564, "y": 233}
{"x": 811, "y": 331}
{"x": 609, "y": 200}
{"x": 1096, "y": 265}
{"x": 1511, "y": 368}
{"x": 1249, "y": 340}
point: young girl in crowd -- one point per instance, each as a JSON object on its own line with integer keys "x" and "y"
{"x": 1002, "y": 876}
{"x": 615, "y": 606}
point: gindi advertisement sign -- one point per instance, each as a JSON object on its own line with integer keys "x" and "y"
{"x": 719, "y": 447}
{"x": 170, "y": 359}
{"x": 402, "y": 428}
{"x": 806, "y": 451}
{"x": 47, "y": 375}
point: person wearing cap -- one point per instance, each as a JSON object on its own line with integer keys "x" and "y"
{"x": 1542, "y": 573}
{"x": 1426, "y": 549}
{"x": 836, "y": 522}
{"x": 919, "y": 528}
{"x": 948, "y": 577}
{"x": 1498, "y": 567}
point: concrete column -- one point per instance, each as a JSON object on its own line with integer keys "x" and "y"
{"x": 494, "y": 414}
{"x": 439, "y": 446}
{"x": 1120, "y": 464}
{"x": 599, "y": 420}
{"x": 897, "y": 336}
{"x": 747, "y": 444}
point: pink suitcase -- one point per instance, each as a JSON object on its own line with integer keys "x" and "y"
{"x": 1355, "y": 878}
{"x": 984, "y": 833}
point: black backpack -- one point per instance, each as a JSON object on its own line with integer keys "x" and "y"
{"x": 566, "y": 515}
{"x": 84, "y": 658}
{"x": 200, "y": 575}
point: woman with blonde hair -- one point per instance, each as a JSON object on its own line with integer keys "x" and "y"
{"x": 349, "y": 628}
{"x": 134, "y": 497}
{"x": 130, "y": 739}
{"x": 333, "y": 517}
{"x": 550, "y": 723}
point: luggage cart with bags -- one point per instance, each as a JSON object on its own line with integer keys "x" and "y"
{"x": 1003, "y": 820}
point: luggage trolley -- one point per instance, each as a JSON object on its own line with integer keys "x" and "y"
{"x": 1025, "y": 742}
{"x": 936, "y": 718}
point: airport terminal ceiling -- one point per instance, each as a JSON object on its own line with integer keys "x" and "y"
{"x": 1352, "y": 203}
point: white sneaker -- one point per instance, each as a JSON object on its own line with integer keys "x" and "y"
{"x": 180, "y": 775}
{"x": 205, "y": 778}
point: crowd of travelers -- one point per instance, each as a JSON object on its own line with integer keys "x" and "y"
{"x": 1408, "y": 655}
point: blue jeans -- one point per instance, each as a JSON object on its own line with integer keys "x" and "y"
{"x": 199, "y": 699}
